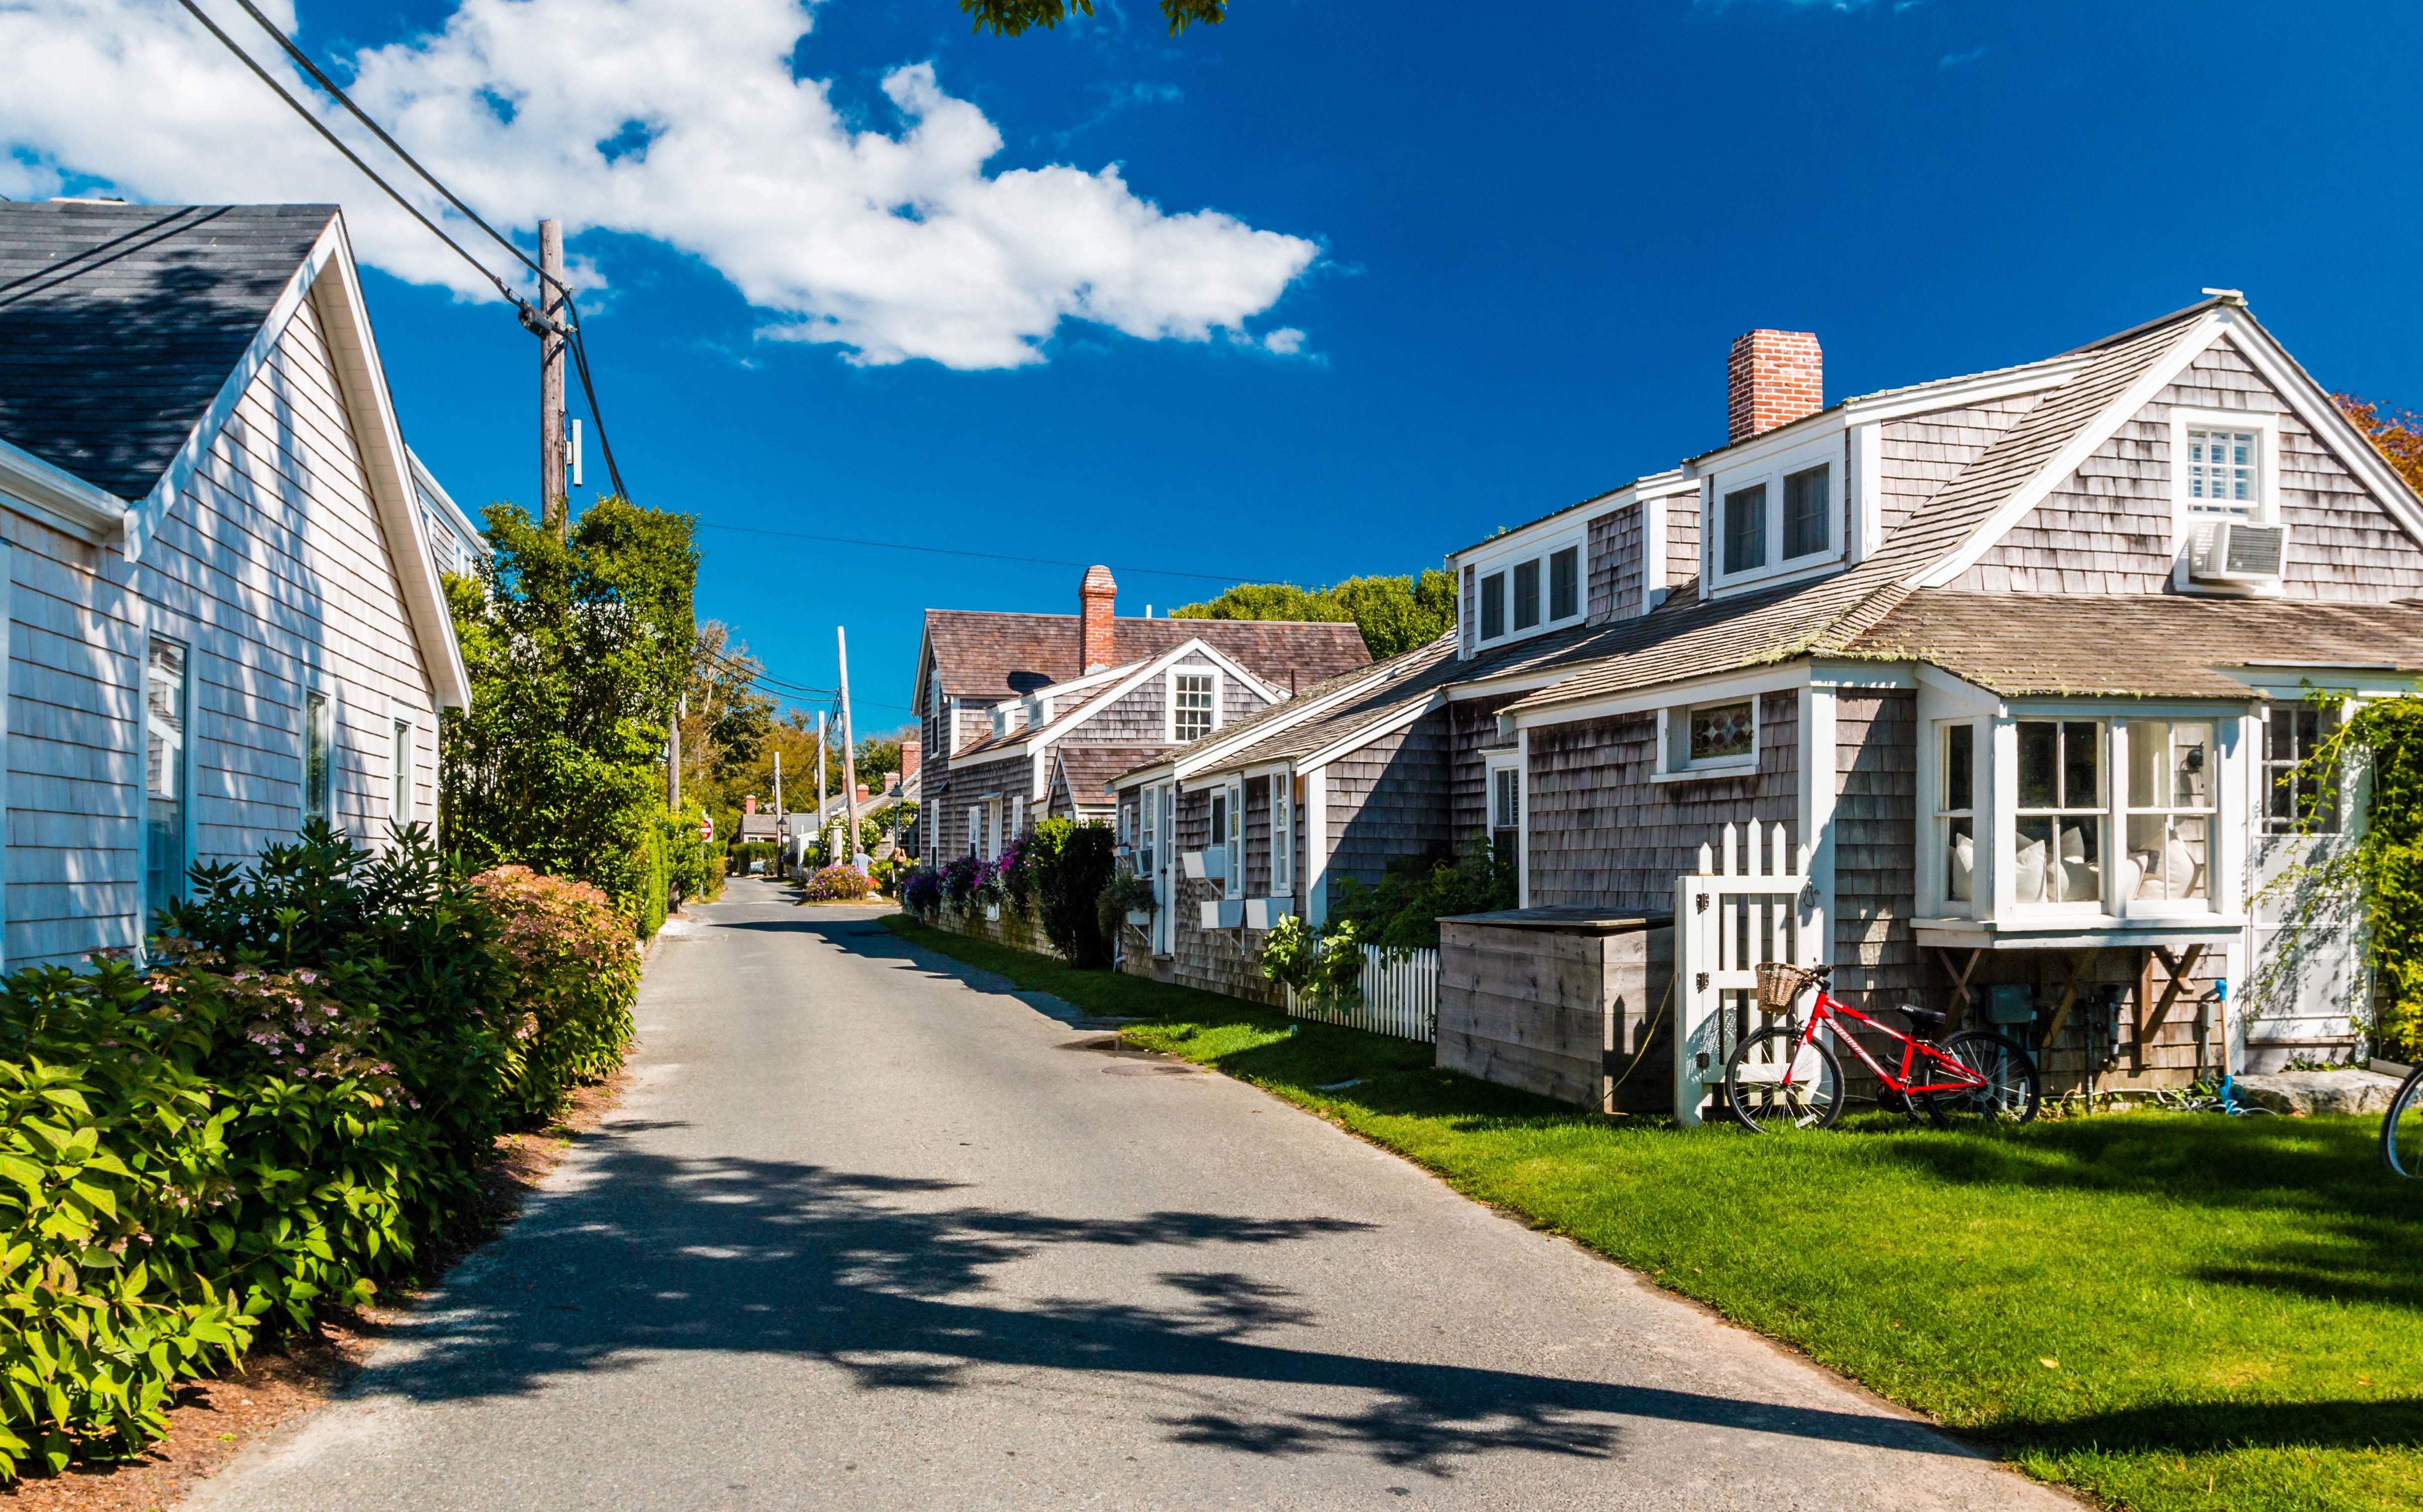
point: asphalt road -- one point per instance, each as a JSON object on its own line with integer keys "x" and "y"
{"x": 872, "y": 1231}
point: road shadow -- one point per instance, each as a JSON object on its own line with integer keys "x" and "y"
{"x": 893, "y": 1281}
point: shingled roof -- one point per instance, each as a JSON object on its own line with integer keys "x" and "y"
{"x": 2167, "y": 644}
{"x": 987, "y": 655}
{"x": 1090, "y": 768}
{"x": 119, "y": 324}
{"x": 1687, "y": 637}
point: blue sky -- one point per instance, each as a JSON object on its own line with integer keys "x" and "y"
{"x": 1538, "y": 227}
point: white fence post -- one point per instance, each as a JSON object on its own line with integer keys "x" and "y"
{"x": 1738, "y": 910}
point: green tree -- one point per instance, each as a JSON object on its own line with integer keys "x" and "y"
{"x": 576, "y": 650}
{"x": 1394, "y": 613}
{"x": 1010, "y": 18}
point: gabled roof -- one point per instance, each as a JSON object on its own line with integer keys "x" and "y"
{"x": 118, "y": 323}
{"x": 1088, "y": 769}
{"x": 1686, "y": 637}
{"x": 1102, "y": 689}
{"x": 988, "y": 655}
{"x": 128, "y": 335}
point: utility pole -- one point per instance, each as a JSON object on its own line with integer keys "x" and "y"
{"x": 673, "y": 757}
{"x": 781, "y": 829}
{"x": 555, "y": 510}
{"x": 849, "y": 749}
{"x": 820, "y": 781}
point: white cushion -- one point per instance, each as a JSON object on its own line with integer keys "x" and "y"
{"x": 1964, "y": 867}
{"x": 2027, "y": 881}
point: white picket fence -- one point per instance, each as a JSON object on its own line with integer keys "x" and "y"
{"x": 1400, "y": 996}
{"x": 1749, "y": 903}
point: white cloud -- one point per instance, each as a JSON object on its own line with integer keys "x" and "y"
{"x": 1287, "y": 341}
{"x": 1954, "y": 60}
{"x": 662, "y": 118}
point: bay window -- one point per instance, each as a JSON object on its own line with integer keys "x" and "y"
{"x": 2059, "y": 823}
{"x": 1956, "y": 809}
{"x": 2171, "y": 805}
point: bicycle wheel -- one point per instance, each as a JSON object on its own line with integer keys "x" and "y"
{"x": 2010, "y": 1093}
{"x": 1772, "y": 1082}
{"x": 2402, "y": 1131}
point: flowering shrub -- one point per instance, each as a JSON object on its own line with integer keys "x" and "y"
{"x": 575, "y": 969}
{"x": 922, "y": 891}
{"x": 834, "y": 883}
{"x": 961, "y": 877}
{"x": 1014, "y": 875}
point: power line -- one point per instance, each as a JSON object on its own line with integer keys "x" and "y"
{"x": 531, "y": 319}
{"x": 988, "y": 556}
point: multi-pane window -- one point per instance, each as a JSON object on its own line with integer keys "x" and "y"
{"x": 400, "y": 799}
{"x": 1505, "y": 813}
{"x": 1282, "y": 834}
{"x": 2170, "y": 811}
{"x": 1722, "y": 732}
{"x": 1493, "y": 606}
{"x": 1149, "y": 834}
{"x": 2058, "y": 830}
{"x": 1231, "y": 830}
{"x": 1745, "y": 529}
{"x": 1565, "y": 583}
{"x": 2295, "y": 799}
{"x": 1805, "y": 515}
{"x": 319, "y": 758}
{"x": 1956, "y": 809}
{"x": 1190, "y": 706}
{"x": 2221, "y": 471}
{"x": 164, "y": 694}
{"x": 1527, "y": 595}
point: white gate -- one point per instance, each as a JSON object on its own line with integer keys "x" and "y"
{"x": 1749, "y": 903}
{"x": 1400, "y": 996}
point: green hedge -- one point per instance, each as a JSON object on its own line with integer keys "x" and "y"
{"x": 272, "y": 1120}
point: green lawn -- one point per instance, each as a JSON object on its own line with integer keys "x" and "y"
{"x": 2164, "y": 1311}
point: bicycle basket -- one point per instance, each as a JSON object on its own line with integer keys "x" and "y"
{"x": 1779, "y": 985}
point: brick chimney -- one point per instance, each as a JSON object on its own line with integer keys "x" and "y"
{"x": 911, "y": 752}
{"x": 749, "y": 804}
{"x": 862, "y": 792}
{"x": 1772, "y": 378}
{"x": 1095, "y": 596}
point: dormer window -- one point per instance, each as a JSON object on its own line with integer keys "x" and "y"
{"x": 1775, "y": 518}
{"x": 1540, "y": 591}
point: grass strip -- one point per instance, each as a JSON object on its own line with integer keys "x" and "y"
{"x": 2164, "y": 1311}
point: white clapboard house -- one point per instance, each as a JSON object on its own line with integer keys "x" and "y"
{"x": 221, "y": 593}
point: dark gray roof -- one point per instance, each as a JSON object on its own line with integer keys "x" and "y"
{"x": 118, "y": 323}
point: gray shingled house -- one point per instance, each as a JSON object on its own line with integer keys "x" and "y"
{"x": 1022, "y": 716}
{"x": 2017, "y": 660}
{"x": 222, "y": 608}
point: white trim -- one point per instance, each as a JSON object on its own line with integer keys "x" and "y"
{"x": 1874, "y": 676}
{"x": 1708, "y": 690}
{"x": 2263, "y": 509}
{"x": 1501, "y": 556}
{"x": 2199, "y": 334}
{"x": 59, "y": 499}
{"x": 1819, "y": 788}
{"x": 1653, "y": 551}
{"x": 1279, "y": 795}
{"x": 1863, "y": 491}
{"x": 1769, "y": 471}
{"x": 1403, "y": 719}
{"x": 1518, "y": 761}
{"x": 1315, "y": 860}
{"x": 1961, "y": 392}
{"x": 2312, "y": 403}
{"x": 1664, "y": 769}
{"x": 1510, "y": 683}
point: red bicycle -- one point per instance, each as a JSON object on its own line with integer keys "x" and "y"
{"x": 1784, "y": 1075}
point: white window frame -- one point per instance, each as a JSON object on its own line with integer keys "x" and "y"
{"x": 1674, "y": 724}
{"x": 2270, "y": 770}
{"x": 2265, "y": 507}
{"x": 2129, "y": 732}
{"x": 1938, "y": 777}
{"x": 1169, "y": 698}
{"x": 403, "y": 786}
{"x": 1016, "y": 821}
{"x": 317, "y": 695}
{"x": 992, "y": 837}
{"x": 1542, "y": 555}
{"x": 1771, "y": 471}
{"x": 182, "y": 772}
{"x": 975, "y": 831}
{"x": 1282, "y": 802}
{"x": 1494, "y": 764}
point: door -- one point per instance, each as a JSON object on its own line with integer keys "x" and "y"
{"x": 2305, "y": 979}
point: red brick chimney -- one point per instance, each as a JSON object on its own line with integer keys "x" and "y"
{"x": 911, "y": 752}
{"x": 749, "y": 804}
{"x": 862, "y": 792}
{"x": 1772, "y": 378}
{"x": 1095, "y": 596}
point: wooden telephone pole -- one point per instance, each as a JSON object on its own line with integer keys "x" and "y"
{"x": 822, "y": 829}
{"x": 849, "y": 749}
{"x": 555, "y": 510}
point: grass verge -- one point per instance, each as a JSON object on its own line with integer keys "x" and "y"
{"x": 2167, "y": 1312}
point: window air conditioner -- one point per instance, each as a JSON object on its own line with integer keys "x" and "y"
{"x": 1222, "y": 913}
{"x": 1205, "y": 865}
{"x": 1264, "y": 912}
{"x": 2237, "y": 551}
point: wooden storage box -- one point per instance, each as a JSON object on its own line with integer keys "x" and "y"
{"x": 1565, "y": 1002}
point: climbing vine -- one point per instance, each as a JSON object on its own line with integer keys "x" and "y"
{"x": 2377, "y": 882}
